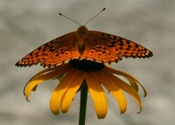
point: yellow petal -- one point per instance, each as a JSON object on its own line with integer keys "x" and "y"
{"x": 123, "y": 85}
{"x": 43, "y": 76}
{"x": 71, "y": 91}
{"x": 58, "y": 69}
{"x": 133, "y": 83}
{"x": 97, "y": 93}
{"x": 114, "y": 90}
{"x": 56, "y": 97}
{"x": 35, "y": 76}
{"x": 129, "y": 77}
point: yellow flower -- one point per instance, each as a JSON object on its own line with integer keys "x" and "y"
{"x": 95, "y": 75}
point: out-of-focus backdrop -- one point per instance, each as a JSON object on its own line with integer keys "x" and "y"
{"x": 25, "y": 25}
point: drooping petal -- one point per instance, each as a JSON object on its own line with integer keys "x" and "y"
{"x": 59, "y": 69}
{"x": 129, "y": 77}
{"x": 133, "y": 83}
{"x": 71, "y": 91}
{"x": 123, "y": 85}
{"x": 56, "y": 97}
{"x": 35, "y": 76}
{"x": 97, "y": 93}
{"x": 114, "y": 90}
{"x": 43, "y": 76}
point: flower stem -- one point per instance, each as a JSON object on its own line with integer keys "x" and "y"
{"x": 83, "y": 102}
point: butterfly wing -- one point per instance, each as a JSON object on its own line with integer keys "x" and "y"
{"x": 103, "y": 47}
{"x": 98, "y": 47}
{"x": 52, "y": 53}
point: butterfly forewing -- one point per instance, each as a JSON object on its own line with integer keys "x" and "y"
{"x": 103, "y": 47}
{"x": 112, "y": 48}
{"x": 52, "y": 53}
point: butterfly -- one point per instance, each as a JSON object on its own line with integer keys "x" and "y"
{"x": 84, "y": 44}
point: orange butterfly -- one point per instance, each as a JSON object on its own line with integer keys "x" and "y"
{"x": 84, "y": 44}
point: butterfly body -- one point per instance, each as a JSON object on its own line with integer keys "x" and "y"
{"x": 83, "y": 44}
{"x": 81, "y": 38}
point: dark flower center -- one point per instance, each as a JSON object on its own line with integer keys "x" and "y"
{"x": 86, "y": 65}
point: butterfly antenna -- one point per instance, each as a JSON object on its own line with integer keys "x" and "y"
{"x": 95, "y": 16}
{"x": 70, "y": 19}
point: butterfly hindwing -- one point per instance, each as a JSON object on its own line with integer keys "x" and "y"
{"x": 66, "y": 51}
{"x": 97, "y": 50}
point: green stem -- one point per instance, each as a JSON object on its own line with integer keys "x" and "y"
{"x": 83, "y": 102}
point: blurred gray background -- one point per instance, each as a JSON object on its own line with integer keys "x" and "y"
{"x": 25, "y": 25}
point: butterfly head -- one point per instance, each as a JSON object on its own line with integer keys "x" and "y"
{"x": 82, "y": 31}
